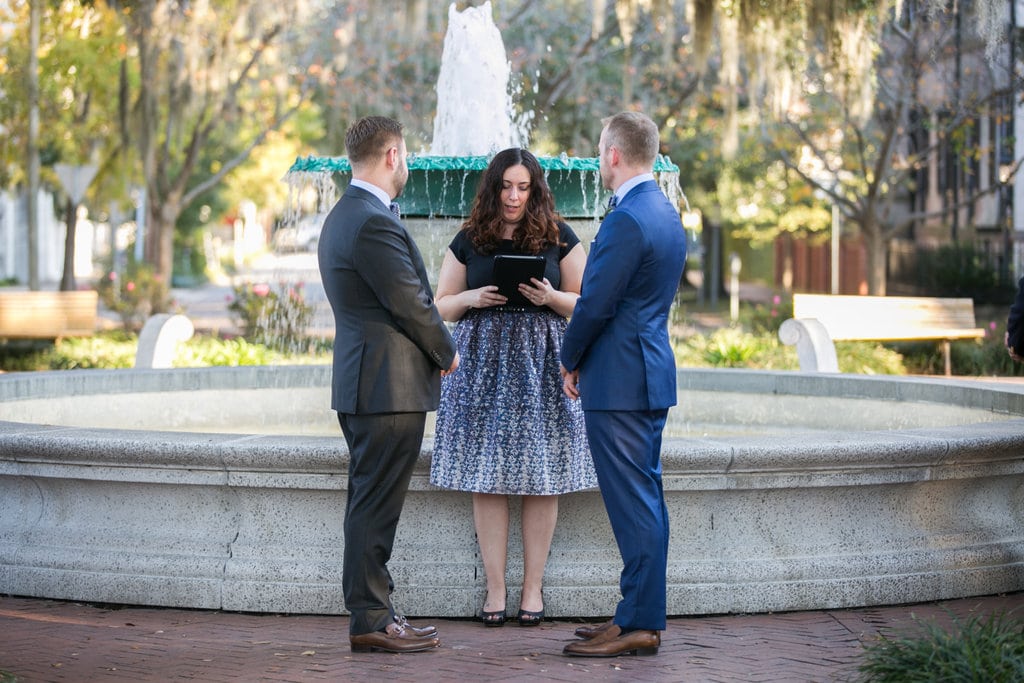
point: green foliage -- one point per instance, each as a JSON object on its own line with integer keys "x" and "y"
{"x": 989, "y": 649}
{"x": 278, "y": 318}
{"x": 135, "y": 295}
{"x": 210, "y": 351}
{"x": 969, "y": 357}
{"x": 731, "y": 347}
{"x": 116, "y": 349}
{"x": 869, "y": 358}
{"x": 106, "y": 350}
{"x": 961, "y": 270}
{"x": 767, "y": 318}
{"x": 79, "y": 57}
{"x": 754, "y": 344}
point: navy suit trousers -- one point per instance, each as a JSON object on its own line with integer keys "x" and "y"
{"x": 626, "y": 447}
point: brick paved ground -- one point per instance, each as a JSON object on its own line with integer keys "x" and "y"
{"x": 47, "y": 640}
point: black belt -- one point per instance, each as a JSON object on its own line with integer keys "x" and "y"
{"x": 516, "y": 309}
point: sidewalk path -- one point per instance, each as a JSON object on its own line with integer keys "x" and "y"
{"x": 47, "y": 640}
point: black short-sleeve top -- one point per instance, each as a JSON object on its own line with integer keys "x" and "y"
{"x": 479, "y": 267}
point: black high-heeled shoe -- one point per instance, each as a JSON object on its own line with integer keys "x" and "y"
{"x": 527, "y": 618}
{"x": 493, "y": 618}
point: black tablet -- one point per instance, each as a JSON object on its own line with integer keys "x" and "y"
{"x": 510, "y": 270}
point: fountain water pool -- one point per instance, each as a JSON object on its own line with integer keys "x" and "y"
{"x": 919, "y": 498}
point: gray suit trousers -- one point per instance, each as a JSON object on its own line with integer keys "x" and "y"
{"x": 383, "y": 449}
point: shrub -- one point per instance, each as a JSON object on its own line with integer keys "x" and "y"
{"x": 961, "y": 270}
{"x": 278, "y": 318}
{"x": 210, "y": 351}
{"x": 765, "y": 317}
{"x": 972, "y": 358}
{"x": 135, "y": 295}
{"x": 981, "y": 649}
{"x": 732, "y": 347}
{"x": 116, "y": 349}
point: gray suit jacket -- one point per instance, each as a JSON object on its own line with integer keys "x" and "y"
{"x": 390, "y": 342}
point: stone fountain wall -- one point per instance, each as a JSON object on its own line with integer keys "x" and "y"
{"x": 920, "y": 497}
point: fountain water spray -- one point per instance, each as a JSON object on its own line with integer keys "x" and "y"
{"x": 475, "y": 118}
{"x": 475, "y": 112}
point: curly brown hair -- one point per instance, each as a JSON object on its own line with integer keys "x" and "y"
{"x": 539, "y": 227}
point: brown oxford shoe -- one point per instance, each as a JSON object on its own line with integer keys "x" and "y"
{"x": 589, "y": 631}
{"x": 422, "y": 631}
{"x": 612, "y": 643}
{"x": 394, "y": 638}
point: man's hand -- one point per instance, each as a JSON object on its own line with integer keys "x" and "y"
{"x": 1009, "y": 349}
{"x": 455, "y": 364}
{"x": 570, "y": 382}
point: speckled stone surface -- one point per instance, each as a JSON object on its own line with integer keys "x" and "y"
{"x": 224, "y": 488}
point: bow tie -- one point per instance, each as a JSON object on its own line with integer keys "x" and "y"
{"x": 395, "y": 209}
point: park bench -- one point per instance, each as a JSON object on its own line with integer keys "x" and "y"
{"x": 820, "y": 319}
{"x": 47, "y": 315}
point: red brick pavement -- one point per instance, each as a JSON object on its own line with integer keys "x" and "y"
{"x": 47, "y": 640}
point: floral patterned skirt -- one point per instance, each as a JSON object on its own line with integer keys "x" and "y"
{"x": 504, "y": 425}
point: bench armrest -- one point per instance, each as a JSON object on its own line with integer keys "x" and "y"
{"x": 814, "y": 347}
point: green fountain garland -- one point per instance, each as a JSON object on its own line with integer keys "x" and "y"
{"x": 317, "y": 164}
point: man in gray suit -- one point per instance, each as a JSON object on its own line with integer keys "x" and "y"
{"x": 390, "y": 349}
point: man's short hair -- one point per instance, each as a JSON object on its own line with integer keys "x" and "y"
{"x": 370, "y": 137}
{"x": 635, "y": 136}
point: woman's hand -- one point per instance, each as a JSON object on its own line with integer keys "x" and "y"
{"x": 538, "y": 292}
{"x": 484, "y": 297}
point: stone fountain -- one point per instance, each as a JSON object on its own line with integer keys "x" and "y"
{"x": 223, "y": 488}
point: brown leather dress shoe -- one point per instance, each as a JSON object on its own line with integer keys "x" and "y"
{"x": 394, "y": 638}
{"x": 589, "y": 631}
{"x": 421, "y": 631}
{"x": 612, "y": 643}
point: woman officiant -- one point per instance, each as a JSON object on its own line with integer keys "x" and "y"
{"x": 504, "y": 427}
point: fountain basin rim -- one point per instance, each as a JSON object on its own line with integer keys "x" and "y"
{"x": 427, "y": 162}
{"x": 691, "y": 461}
{"x": 1002, "y": 398}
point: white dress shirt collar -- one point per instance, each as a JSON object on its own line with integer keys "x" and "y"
{"x": 625, "y": 187}
{"x": 373, "y": 189}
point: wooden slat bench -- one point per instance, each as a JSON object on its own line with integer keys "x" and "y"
{"x": 819, "y": 320}
{"x": 47, "y": 315}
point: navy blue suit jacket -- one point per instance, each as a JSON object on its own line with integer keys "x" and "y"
{"x": 1015, "y": 321}
{"x": 618, "y": 334}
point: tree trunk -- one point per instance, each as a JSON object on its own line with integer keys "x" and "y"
{"x": 875, "y": 246}
{"x": 67, "y": 280}
{"x": 160, "y": 239}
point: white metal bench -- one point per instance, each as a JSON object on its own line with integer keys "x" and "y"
{"x": 819, "y": 320}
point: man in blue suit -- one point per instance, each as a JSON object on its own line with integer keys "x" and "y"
{"x": 617, "y": 359}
